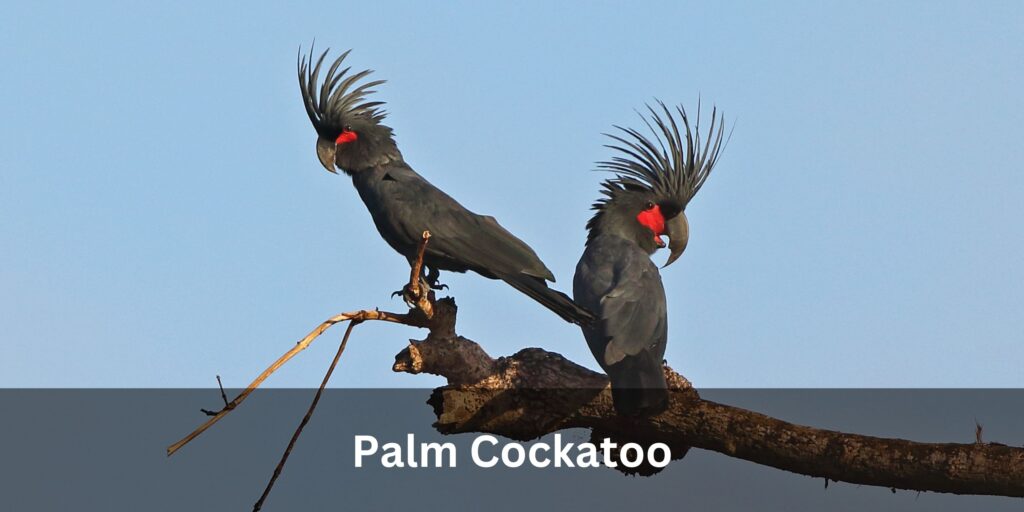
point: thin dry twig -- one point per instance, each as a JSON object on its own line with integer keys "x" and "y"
{"x": 305, "y": 419}
{"x": 422, "y": 296}
{"x": 223, "y": 396}
{"x": 413, "y": 318}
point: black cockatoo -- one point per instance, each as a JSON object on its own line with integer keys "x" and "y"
{"x": 402, "y": 203}
{"x": 655, "y": 178}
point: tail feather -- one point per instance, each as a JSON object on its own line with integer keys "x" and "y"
{"x": 638, "y": 386}
{"x": 556, "y": 301}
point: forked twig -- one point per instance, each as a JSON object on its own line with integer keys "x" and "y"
{"x": 299, "y": 347}
{"x": 414, "y": 319}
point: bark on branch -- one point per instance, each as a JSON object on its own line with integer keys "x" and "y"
{"x": 535, "y": 392}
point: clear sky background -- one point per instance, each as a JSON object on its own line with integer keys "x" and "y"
{"x": 163, "y": 216}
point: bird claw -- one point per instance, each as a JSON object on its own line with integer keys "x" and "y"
{"x": 432, "y": 279}
{"x": 412, "y": 299}
{"x": 406, "y": 294}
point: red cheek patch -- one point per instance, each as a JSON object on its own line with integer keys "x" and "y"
{"x": 654, "y": 220}
{"x": 346, "y": 137}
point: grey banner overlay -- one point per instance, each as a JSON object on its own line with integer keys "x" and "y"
{"x": 104, "y": 450}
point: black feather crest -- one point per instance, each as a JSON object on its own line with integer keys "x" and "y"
{"x": 672, "y": 166}
{"x": 331, "y": 107}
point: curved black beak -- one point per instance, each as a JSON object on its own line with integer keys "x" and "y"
{"x": 325, "y": 149}
{"x": 677, "y": 229}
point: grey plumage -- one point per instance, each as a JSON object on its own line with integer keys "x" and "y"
{"x": 655, "y": 178}
{"x": 403, "y": 204}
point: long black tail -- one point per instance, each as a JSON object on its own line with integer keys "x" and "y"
{"x": 558, "y": 302}
{"x": 638, "y": 385}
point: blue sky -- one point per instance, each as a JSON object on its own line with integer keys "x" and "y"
{"x": 163, "y": 217}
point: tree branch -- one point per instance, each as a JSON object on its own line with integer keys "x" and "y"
{"x": 536, "y": 392}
